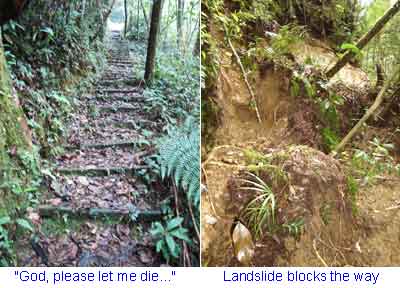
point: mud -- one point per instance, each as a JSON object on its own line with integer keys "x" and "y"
{"x": 332, "y": 235}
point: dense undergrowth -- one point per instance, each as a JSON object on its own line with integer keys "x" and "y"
{"x": 52, "y": 53}
{"x": 173, "y": 98}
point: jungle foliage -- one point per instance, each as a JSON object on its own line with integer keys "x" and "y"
{"x": 173, "y": 96}
{"x": 54, "y": 53}
{"x": 48, "y": 50}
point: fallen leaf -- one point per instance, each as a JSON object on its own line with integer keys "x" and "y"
{"x": 55, "y": 201}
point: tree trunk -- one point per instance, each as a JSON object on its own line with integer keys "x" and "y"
{"x": 368, "y": 114}
{"x": 11, "y": 9}
{"x": 197, "y": 44}
{"x": 389, "y": 14}
{"x": 138, "y": 20}
{"x": 103, "y": 21}
{"x": 126, "y": 17}
{"x": 179, "y": 23}
{"x": 83, "y": 14}
{"x": 152, "y": 42}
{"x": 144, "y": 13}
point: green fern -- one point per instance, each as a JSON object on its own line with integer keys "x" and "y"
{"x": 180, "y": 159}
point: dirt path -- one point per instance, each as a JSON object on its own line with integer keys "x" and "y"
{"x": 98, "y": 209}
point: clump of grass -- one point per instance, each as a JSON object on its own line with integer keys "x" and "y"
{"x": 259, "y": 212}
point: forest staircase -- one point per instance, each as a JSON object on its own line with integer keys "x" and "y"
{"x": 99, "y": 192}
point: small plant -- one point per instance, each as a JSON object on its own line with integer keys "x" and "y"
{"x": 326, "y": 213}
{"x": 179, "y": 158}
{"x": 288, "y": 35}
{"x": 352, "y": 187}
{"x": 260, "y": 212}
{"x": 254, "y": 157}
{"x": 351, "y": 48}
{"x": 5, "y": 242}
{"x": 294, "y": 228}
{"x": 376, "y": 161}
{"x": 330, "y": 138}
{"x": 167, "y": 237}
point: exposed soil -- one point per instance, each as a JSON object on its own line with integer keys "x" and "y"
{"x": 317, "y": 191}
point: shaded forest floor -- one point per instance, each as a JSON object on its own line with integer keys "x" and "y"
{"x": 97, "y": 210}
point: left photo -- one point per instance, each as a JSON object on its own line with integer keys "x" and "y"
{"x": 99, "y": 133}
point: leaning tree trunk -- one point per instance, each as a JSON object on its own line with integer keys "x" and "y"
{"x": 389, "y": 14}
{"x": 152, "y": 44}
{"x": 378, "y": 101}
{"x": 104, "y": 19}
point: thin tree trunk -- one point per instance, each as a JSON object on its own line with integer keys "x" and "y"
{"x": 138, "y": 20}
{"x": 144, "y": 13}
{"x": 83, "y": 13}
{"x": 104, "y": 20}
{"x": 197, "y": 44}
{"x": 244, "y": 74}
{"x": 389, "y": 14}
{"x": 99, "y": 6}
{"x": 152, "y": 42}
{"x": 368, "y": 114}
{"x": 126, "y": 17}
{"x": 179, "y": 24}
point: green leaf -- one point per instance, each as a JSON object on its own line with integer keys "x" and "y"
{"x": 48, "y": 30}
{"x": 181, "y": 234}
{"x": 350, "y": 47}
{"x": 157, "y": 228}
{"x": 174, "y": 223}
{"x": 5, "y": 220}
{"x": 25, "y": 224}
{"x": 159, "y": 246}
{"x": 171, "y": 244}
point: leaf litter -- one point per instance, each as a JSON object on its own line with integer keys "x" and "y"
{"x": 69, "y": 241}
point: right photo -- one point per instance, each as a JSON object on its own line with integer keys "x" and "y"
{"x": 300, "y": 133}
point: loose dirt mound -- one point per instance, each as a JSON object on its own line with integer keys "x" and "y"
{"x": 310, "y": 194}
{"x": 315, "y": 187}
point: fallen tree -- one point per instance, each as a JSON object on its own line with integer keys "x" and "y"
{"x": 378, "y": 101}
{"x": 364, "y": 40}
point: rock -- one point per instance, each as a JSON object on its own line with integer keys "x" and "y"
{"x": 83, "y": 181}
{"x": 210, "y": 220}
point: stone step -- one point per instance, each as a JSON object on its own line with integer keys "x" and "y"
{"x": 98, "y": 171}
{"x": 117, "y": 144}
{"x": 121, "y": 91}
{"x": 117, "y": 109}
{"x": 126, "y": 214}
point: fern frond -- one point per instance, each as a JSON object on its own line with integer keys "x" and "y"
{"x": 180, "y": 159}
